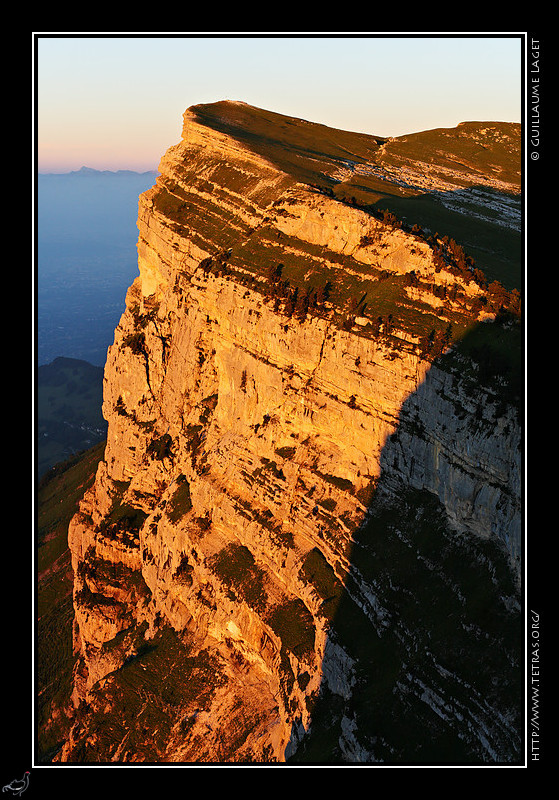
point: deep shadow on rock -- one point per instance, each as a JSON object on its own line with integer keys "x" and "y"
{"x": 430, "y": 616}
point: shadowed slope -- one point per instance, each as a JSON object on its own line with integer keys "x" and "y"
{"x": 430, "y": 615}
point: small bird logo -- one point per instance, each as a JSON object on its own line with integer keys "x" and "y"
{"x": 17, "y": 787}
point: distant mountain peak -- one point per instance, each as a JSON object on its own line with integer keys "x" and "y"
{"x": 91, "y": 172}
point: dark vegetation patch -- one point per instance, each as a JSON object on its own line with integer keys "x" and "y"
{"x": 294, "y": 624}
{"x": 317, "y": 571}
{"x": 181, "y": 502}
{"x": 236, "y": 568}
{"x": 124, "y": 519}
{"x": 165, "y": 681}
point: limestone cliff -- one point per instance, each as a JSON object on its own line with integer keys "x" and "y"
{"x": 288, "y": 373}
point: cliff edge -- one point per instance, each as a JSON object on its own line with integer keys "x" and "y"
{"x": 305, "y": 532}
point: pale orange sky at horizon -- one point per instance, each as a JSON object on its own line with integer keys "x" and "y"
{"x": 117, "y": 102}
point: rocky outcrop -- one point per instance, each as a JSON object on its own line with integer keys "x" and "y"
{"x": 256, "y": 407}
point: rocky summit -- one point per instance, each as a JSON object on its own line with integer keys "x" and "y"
{"x": 303, "y": 541}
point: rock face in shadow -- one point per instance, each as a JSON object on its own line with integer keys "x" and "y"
{"x": 305, "y": 527}
{"x": 430, "y": 619}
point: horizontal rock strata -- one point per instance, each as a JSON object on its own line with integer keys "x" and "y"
{"x": 245, "y": 442}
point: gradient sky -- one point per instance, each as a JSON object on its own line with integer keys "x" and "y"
{"x": 116, "y": 102}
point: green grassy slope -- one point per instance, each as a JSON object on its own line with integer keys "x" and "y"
{"x": 367, "y": 170}
{"x": 58, "y": 495}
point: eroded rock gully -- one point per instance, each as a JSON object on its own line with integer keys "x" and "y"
{"x": 232, "y": 596}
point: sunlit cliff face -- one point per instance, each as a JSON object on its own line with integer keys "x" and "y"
{"x": 249, "y": 435}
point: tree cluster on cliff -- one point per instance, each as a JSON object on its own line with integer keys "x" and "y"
{"x": 448, "y": 255}
{"x": 294, "y": 300}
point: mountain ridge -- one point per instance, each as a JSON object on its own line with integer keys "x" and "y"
{"x": 307, "y": 451}
{"x": 245, "y": 121}
{"x": 85, "y": 171}
{"x": 474, "y": 197}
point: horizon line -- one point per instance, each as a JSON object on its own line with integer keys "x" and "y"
{"x": 84, "y": 170}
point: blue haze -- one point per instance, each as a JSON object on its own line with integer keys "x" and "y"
{"x": 86, "y": 259}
